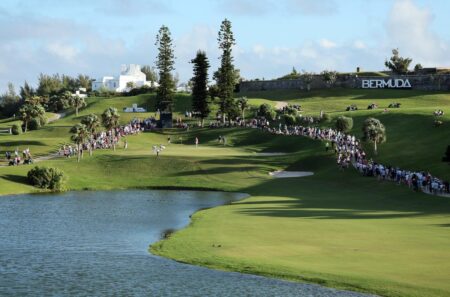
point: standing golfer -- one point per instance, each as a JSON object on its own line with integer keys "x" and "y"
{"x": 196, "y": 141}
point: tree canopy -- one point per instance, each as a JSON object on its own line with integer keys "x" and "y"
{"x": 165, "y": 64}
{"x": 225, "y": 76}
{"x": 374, "y": 131}
{"x": 200, "y": 104}
{"x": 398, "y": 64}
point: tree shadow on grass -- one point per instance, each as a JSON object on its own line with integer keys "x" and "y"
{"x": 319, "y": 198}
{"x": 217, "y": 170}
{"x": 18, "y": 143}
{"x": 16, "y": 178}
{"x": 443, "y": 225}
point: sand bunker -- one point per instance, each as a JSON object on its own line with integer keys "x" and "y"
{"x": 286, "y": 174}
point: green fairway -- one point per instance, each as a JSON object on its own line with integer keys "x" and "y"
{"x": 335, "y": 228}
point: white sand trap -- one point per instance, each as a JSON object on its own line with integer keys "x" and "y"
{"x": 270, "y": 154}
{"x": 286, "y": 174}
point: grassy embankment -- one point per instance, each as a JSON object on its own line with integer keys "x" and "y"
{"x": 334, "y": 228}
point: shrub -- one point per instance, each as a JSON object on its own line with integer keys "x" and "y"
{"x": 266, "y": 111}
{"x": 289, "y": 119}
{"x": 16, "y": 129}
{"x": 316, "y": 119}
{"x": 47, "y": 178}
{"x": 290, "y": 110}
{"x": 344, "y": 124}
{"x": 34, "y": 124}
{"x": 325, "y": 118}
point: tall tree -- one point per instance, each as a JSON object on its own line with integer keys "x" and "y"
{"x": 49, "y": 85}
{"x": 9, "y": 101}
{"x": 225, "y": 76}
{"x": 199, "y": 81}
{"x": 77, "y": 102}
{"x": 84, "y": 81}
{"x": 92, "y": 123}
{"x": 397, "y": 64}
{"x": 26, "y": 91}
{"x": 60, "y": 102}
{"x": 374, "y": 131}
{"x": 110, "y": 120}
{"x": 165, "y": 64}
{"x": 80, "y": 136}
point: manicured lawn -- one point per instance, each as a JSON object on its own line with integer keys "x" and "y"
{"x": 334, "y": 228}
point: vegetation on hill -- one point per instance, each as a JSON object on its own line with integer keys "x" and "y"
{"x": 335, "y": 228}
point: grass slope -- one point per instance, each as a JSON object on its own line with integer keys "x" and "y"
{"x": 413, "y": 141}
{"x": 334, "y": 228}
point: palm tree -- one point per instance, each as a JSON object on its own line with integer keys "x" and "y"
{"x": 80, "y": 136}
{"x": 110, "y": 120}
{"x": 243, "y": 105}
{"x": 29, "y": 111}
{"x": 77, "y": 102}
{"x": 34, "y": 100}
{"x": 374, "y": 131}
{"x": 92, "y": 123}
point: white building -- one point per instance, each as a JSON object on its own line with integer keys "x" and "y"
{"x": 129, "y": 73}
{"x": 81, "y": 92}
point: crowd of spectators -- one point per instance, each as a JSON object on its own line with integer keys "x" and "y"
{"x": 349, "y": 151}
{"x": 16, "y": 159}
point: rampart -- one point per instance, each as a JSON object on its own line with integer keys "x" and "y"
{"x": 429, "y": 82}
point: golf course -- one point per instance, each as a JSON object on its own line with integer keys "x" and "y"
{"x": 335, "y": 228}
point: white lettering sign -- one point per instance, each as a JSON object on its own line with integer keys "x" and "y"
{"x": 388, "y": 83}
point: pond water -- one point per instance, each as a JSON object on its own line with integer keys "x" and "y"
{"x": 96, "y": 244}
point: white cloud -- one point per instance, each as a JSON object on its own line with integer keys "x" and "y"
{"x": 126, "y": 8}
{"x": 312, "y": 7}
{"x": 259, "y": 50}
{"x": 358, "y": 44}
{"x": 409, "y": 27}
{"x": 325, "y": 43}
{"x": 245, "y": 7}
{"x": 64, "y": 51}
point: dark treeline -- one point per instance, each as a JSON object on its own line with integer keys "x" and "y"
{"x": 50, "y": 88}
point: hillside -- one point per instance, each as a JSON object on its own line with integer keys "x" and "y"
{"x": 412, "y": 140}
{"x": 335, "y": 228}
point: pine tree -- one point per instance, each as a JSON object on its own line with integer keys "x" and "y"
{"x": 200, "y": 102}
{"x": 225, "y": 76}
{"x": 165, "y": 64}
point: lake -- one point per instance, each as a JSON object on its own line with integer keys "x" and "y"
{"x": 96, "y": 244}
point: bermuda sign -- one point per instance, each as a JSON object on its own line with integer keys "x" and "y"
{"x": 397, "y": 83}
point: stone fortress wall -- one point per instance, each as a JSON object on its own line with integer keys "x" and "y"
{"x": 426, "y": 82}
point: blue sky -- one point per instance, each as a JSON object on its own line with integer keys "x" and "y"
{"x": 95, "y": 37}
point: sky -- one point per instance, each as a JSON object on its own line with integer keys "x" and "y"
{"x": 272, "y": 36}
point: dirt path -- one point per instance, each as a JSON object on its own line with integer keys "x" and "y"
{"x": 57, "y": 117}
